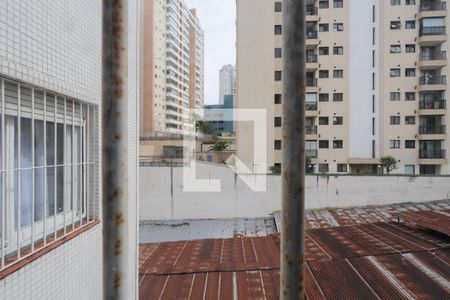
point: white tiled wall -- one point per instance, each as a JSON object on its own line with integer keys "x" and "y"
{"x": 53, "y": 44}
{"x": 56, "y": 44}
{"x": 71, "y": 271}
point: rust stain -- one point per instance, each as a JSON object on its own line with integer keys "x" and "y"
{"x": 117, "y": 279}
{"x": 118, "y": 247}
{"x": 119, "y": 219}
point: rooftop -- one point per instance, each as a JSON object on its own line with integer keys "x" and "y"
{"x": 399, "y": 251}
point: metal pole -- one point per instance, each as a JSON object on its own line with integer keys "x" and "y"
{"x": 115, "y": 150}
{"x": 293, "y": 173}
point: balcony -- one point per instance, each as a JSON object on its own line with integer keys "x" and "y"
{"x": 311, "y": 105}
{"x": 311, "y": 62}
{"x": 311, "y": 14}
{"x": 432, "y": 60}
{"x": 311, "y": 85}
{"x": 311, "y": 129}
{"x": 432, "y": 35}
{"x": 432, "y": 107}
{"x": 311, "y": 82}
{"x": 432, "y": 9}
{"x": 311, "y": 153}
{"x": 311, "y": 39}
{"x": 432, "y": 154}
{"x": 432, "y": 129}
{"x": 432, "y": 83}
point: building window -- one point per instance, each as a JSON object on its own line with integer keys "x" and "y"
{"x": 50, "y": 143}
{"x": 395, "y": 72}
{"x": 410, "y": 72}
{"x": 323, "y": 144}
{"x": 338, "y": 144}
{"x": 395, "y": 96}
{"x": 410, "y": 48}
{"x": 410, "y": 2}
{"x": 395, "y": 25}
{"x": 323, "y": 168}
{"x": 395, "y": 2}
{"x": 394, "y": 144}
{"x": 323, "y": 50}
{"x": 395, "y": 120}
{"x": 410, "y": 120}
{"x": 338, "y": 27}
{"x": 278, "y": 29}
{"x": 277, "y": 52}
{"x": 410, "y": 96}
{"x": 323, "y": 73}
{"x": 277, "y": 122}
{"x": 342, "y": 168}
{"x": 323, "y": 4}
{"x": 395, "y": 49}
{"x": 323, "y": 120}
{"x": 277, "y": 98}
{"x": 338, "y": 73}
{"x": 278, "y": 6}
{"x": 277, "y": 144}
{"x": 410, "y": 169}
{"x": 323, "y": 97}
{"x": 410, "y": 144}
{"x": 410, "y": 24}
{"x": 323, "y": 27}
{"x": 338, "y": 3}
{"x": 338, "y": 50}
{"x": 277, "y": 76}
{"x": 338, "y": 97}
{"x": 338, "y": 120}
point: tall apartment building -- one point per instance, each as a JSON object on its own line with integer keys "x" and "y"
{"x": 375, "y": 82}
{"x": 227, "y": 82}
{"x": 50, "y": 155}
{"x": 173, "y": 66}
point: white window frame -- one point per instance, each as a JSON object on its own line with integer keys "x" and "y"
{"x": 15, "y": 235}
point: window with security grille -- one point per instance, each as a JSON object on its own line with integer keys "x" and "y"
{"x": 48, "y": 164}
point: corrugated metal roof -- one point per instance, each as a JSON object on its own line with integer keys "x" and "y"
{"x": 365, "y": 258}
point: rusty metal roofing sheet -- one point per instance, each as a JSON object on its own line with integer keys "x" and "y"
{"x": 427, "y": 219}
{"x": 371, "y": 260}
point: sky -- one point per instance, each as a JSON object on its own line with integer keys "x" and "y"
{"x": 217, "y": 18}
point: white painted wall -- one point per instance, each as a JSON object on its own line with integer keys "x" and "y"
{"x": 360, "y": 80}
{"x": 238, "y": 200}
{"x": 71, "y": 271}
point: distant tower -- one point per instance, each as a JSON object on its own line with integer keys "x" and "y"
{"x": 227, "y": 85}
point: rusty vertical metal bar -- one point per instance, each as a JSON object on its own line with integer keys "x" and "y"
{"x": 115, "y": 149}
{"x": 293, "y": 167}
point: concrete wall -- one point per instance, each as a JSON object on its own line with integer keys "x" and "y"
{"x": 237, "y": 200}
{"x": 71, "y": 271}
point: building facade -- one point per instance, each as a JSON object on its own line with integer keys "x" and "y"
{"x": 375, "y": 83}
{"x": 221, "y": 115}
{"x": 173, "y": 66}
{"x": 227, "y": 82}
{"x": 50, "y": 155}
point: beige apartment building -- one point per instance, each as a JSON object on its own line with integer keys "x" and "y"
{"x": 376, "y": 83}
{"x": 173, "y": 66}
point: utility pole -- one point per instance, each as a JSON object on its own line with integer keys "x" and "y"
{"x": 293, "y": 164}
{"x": 116, "y": 272}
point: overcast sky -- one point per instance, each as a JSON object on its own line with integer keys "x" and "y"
{"x": 217, "y": 18}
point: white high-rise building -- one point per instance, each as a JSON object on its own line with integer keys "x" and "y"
{"x": 227, "y": 84}
{"x": 173, "y": 66}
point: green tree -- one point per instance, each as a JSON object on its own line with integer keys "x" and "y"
{"x": 204, "y": 127}
{"x": 219, "y": 146}
{"x": 389, "y": 163}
